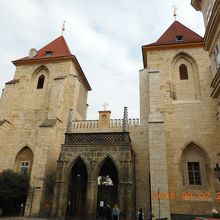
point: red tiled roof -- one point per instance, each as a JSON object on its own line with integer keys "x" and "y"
{"x": 58, "y": 46}
{"x": 60, "y": 50}
{"x": 177, "y": 29}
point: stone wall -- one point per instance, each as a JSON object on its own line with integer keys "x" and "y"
{"x": 186, "y": 121}
{"x": 37, "y": 118}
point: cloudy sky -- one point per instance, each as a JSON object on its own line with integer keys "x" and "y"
{"x": 105, "y": 35}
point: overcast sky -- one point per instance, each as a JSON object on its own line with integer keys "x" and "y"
{"x": 105, "y": 35}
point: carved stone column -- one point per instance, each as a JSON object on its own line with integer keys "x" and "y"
{"x": 92, "y": 191}
{"x": 126, "y": 190}
{"x": 60, "y": 189}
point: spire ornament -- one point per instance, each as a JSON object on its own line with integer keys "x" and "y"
{"x": 125, "y": 120}
{"x": 174, "y": 12}
{"x": 63, "y": 27}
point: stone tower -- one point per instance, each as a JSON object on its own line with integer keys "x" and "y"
{"x": 33, "y": 115}
{"x": 182, "y": 125}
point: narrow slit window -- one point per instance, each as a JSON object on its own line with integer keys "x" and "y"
{"x": 183, "y": 72}
{"x": 40, "y": 83}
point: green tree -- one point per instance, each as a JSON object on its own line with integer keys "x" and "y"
{"x": 13, "y": 189}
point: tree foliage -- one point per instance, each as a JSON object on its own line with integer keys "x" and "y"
{"x": 13, "y": 186}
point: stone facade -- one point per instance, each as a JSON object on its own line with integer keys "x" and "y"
{"x": 182, "y": 117}
{"x": 94, "y": 142}
{"x": 211, "y": 15}
{"x": 33, "y": 124}
{"x": 36, "y": 119}
{"x": 162, "y": 162}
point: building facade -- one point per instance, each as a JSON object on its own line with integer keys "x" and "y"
{"x": 211, "y": 15}
{"x": 97, "y": 165}
{"x": 33, "y": 112}
{"x": 182, "y": 124}
{"x": 162, "y": 163}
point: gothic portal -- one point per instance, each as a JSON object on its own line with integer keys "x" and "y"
{"x": 95, "y": 168}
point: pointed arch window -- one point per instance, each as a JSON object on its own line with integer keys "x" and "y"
{"x": 194, "y": 165}
{"x": 40, "y": 83}
{"x": 24, "y": 161}
{"x": 183, "y": 72}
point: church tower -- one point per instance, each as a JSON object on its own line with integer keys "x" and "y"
{"x": 33, "y": 115}
{"x": 182, "y": 126}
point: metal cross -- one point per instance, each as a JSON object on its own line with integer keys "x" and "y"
{"x": 105, "y": 105}
{"x": 174, "y": 12}
{"x": 63, "y": 27}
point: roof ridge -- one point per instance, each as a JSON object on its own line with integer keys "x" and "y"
{"x": 58, "y": 48}
{"x": 177, "y": 29}
{"x": 189, "y": 29}
{"x": 65, "y": 44}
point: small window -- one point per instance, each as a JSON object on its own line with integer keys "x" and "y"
{"x": 48, "y": 53}
{"x": 179, "y": 38}
{"x": 40, "y": 83}
{"x": 194, "y": 173}
{"x": 24, "y": 167}
{"x": 183, "y": 72}
{"x": 216, "y": 56}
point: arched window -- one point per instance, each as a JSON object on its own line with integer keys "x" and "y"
{"x": 104, "y": 121}
{"x": 185, "y": 84}
{"x": 24, "y": 161}
{"x": 194, "y": 166}
{"x": 183, "y": 72}
{"x": 108, "y": 181}
{"x": 40, "y": 83}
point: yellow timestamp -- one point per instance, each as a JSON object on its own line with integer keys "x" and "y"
{"x": 185, "y": 196}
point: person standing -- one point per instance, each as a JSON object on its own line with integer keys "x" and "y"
{"x": 140, "y": 214}
{"x": 116, "y": 212}
{"x": 108, "y": 212}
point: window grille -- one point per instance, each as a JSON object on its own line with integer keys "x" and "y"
{"x": 183, "y": 72}
{"x": 194, "y": 173}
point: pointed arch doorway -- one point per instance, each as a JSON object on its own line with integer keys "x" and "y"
{"x": 107, "y": 183}
{"x": 76, "y": 203}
